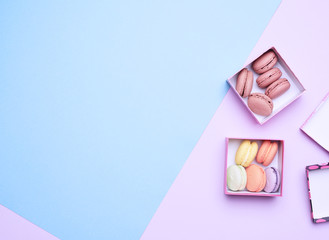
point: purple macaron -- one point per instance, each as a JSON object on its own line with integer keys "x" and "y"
{"x": 273, "y": 180}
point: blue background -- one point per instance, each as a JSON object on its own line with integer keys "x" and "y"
{"x": 102, "y": 102}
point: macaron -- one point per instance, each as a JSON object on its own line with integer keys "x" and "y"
{"x": 268, "y": 77}
{"x": 267, "y": 152}
{"x": 265, "y": 62}
{"x": 246, "y": 153}
{"x": 244, "y": 82}
{"x": 277, "y": 88}
{"x": 273, "y": 180}
{"x": 260, "y": 104}
{"x": 236, "y": 178}
{"x": 256, "y": 178}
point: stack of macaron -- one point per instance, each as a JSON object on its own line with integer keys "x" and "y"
{"x": 253, "y": 177}
{"x": 268, "y": 77}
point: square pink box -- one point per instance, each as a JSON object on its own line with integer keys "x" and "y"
{"x": 232, "y": 145}
{"x": 295, "y": 91}
{"x": 318, "y": 191}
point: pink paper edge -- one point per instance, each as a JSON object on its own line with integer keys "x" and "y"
{"x": 309, "y": 192}
{"x": 313, "y": 139}
{"x": 314, "y": 111}
{"x": 282, "y": 144}
{"x": 310, "y": 116}
{"x": 225, "y": 172}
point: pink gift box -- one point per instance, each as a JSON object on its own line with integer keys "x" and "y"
{"x": 318, "y": 191}
{"x": 232, "y": 145}
{"x": 295, "y": 91}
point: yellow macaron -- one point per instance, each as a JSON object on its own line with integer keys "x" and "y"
{"x": 246, "y": 153}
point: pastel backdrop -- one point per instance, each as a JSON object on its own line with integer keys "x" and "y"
{"x": 196, "y": 207}
{"x": 103, "y": 101}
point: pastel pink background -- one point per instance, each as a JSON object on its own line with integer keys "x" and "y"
{"x": 12, "y": 226}
{"x": 196, "y": 207}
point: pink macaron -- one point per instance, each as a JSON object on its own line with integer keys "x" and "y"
{"x": 268, "y": 77}
{"x": 267, "y": 152}
{"x": 260, "y": 104}
{"x": 244, "y": 82}
{"x": 265, "y": 62}
{"x": 256, "y": 178}
{"x": 277, "y": 88}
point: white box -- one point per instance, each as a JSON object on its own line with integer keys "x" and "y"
{"x": 295, "y": 91}
{"x": 232, "y": 145}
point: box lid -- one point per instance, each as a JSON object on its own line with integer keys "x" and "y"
{"x": 317, "y": 179}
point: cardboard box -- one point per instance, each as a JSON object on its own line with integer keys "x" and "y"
{"x": 232, "y": 145}
{"x": 295, "y": 91}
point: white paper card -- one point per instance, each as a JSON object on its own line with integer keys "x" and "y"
{"x": 316, "y": 126}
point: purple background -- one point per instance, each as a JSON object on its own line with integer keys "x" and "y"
{"x": 12, "y": 226}
{"x": 195, "y": 206}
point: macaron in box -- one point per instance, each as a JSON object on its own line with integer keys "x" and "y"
{"x": 254, "y": 167}
{"x": 266, "y": 85}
